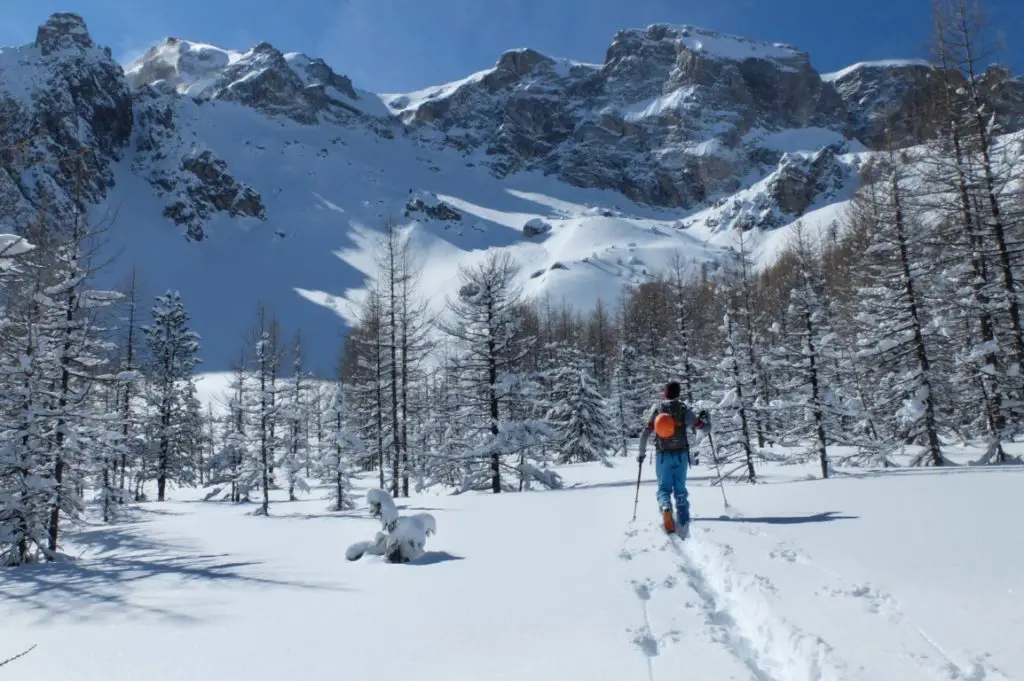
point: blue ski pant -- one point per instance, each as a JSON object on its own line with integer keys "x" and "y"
{"x": 671, "y": 469}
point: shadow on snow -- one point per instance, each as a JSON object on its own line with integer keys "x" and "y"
{"x": 826, "y": 517}
{"x": 434, "y": 557}
{"x": 82, "y": 590}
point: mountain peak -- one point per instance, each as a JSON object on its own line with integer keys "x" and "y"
{"x": 63, "y": 31}
{"x": 712, "y": 44}
{"x": 187, "y": 66}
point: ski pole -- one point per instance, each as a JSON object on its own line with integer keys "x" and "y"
{"x": 639, "y": 474}
{"x": 714, "y": 455}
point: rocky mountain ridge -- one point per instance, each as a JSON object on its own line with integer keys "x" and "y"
{"x": 676, "y": 116}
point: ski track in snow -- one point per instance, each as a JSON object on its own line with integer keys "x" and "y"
{"x": 887, "y": 618}
{"x": 734, "y": 616}
{"x": 742, "y": 614}
{"x": 773, "y": 649}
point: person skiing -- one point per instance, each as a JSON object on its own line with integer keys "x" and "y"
{"x": 668, "y": 420}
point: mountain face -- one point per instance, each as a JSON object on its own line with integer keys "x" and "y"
{"x": 673, "y": 117}
{"x": 65, "y": 117}
{"x": 276, "y": 168}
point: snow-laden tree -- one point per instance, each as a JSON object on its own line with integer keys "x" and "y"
{"x": 72, "y": 318}
{"x": 130, "y": 404}
{"x": 24, "y": 492}
{"x": 265, "y": 410}
{"x": 337, "y": 449}
{"x": 237, "y": 456}
{"x": 54, "y": 354}
{"x": 402, "y": 538}
{"x": 896, "y": 336}
{"x": 583, "y": 424}
{"x": 484, "y": 328}
{"x": 448, "y": 428}
{"x": 174, "y": 426}
{"x": 805, "y": 357}
{"x": 732, "y": 416}
{"x": 363, "y": 371}
{"x": 296, "y": 398}
{"x": 630, "y": 397}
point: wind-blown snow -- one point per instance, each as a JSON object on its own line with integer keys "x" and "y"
{"x": 564, "y": 66}
{"x": 798, "y": 579}
{"x": 410, "y": 101}
{"x": 187, "y": 66}
{"x": 878, "y": 64}
{"x": 736, "y": 48}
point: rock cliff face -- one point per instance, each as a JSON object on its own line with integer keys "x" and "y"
{"x": 65, "y": 119}
{"x": 675, "y": 116}
{"x": 671, "y": 118}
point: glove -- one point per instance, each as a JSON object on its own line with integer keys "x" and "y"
{"x": 640, "y": 458}
{"x": 704, "y": 417}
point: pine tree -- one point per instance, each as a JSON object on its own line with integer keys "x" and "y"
{"x": 579, "y": 415}
{"x": 175, "y": 426}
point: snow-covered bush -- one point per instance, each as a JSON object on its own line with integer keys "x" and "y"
{"x": 402, "y": 538}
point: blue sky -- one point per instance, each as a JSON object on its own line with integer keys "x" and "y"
{"x": 399, "y": 45}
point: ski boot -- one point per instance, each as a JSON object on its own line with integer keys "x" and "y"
{"x": 668, "y": 520}
{"x": 683, "y": 528}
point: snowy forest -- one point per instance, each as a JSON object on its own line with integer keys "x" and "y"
{"x": 896, "y": 330}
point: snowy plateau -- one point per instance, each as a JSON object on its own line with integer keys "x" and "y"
{"x": 236, "y": 177}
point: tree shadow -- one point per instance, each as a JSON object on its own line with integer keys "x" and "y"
{"x": 628, "y": 483}
{"x": 434, "y": 557}
{"x": 105, "y": 584}
{"x": 326, "y": 515}
{"x": 826, "y": 517}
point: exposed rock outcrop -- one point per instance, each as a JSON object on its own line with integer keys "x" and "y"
{"x": 65, "y": 119}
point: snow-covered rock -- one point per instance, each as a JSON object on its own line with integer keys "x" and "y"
{"x": 428, "y": 205}
{"x": 294, "y": 85}
{"x": 535, "y": 227}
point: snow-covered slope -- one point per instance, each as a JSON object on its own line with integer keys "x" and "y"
{"x": 240, "y": 177}
{"x": 865, "y": 577}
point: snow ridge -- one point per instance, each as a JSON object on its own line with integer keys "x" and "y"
{"x": 877, "y": 64}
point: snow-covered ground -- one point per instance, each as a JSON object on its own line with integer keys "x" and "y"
{"x": 911, "y": 576}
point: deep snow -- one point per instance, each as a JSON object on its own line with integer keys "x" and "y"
{"x": 912, "y": 575}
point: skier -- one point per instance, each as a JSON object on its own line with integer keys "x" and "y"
{"x": 669, "y": 420}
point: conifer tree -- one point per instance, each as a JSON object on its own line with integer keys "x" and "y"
{"x": 175, "y": 426}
